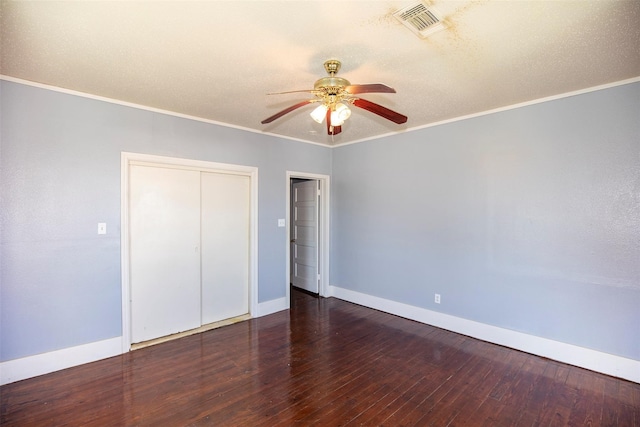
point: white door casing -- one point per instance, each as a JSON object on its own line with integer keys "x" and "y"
{"x": 324, "y": 210}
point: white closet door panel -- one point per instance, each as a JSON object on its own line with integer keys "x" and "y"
{"x": 225, "y": 246}
{"x": 165, "y": 251}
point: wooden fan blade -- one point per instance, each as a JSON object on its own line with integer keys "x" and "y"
{"x": 380, "y": 110}
{"x": 287, "y": 110}
{"x": 294, "y": 91}
{"x": 369, "y": 88}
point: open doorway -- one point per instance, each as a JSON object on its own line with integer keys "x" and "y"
{"x": 304, "y": 265}
{"x": 308, "y": 232}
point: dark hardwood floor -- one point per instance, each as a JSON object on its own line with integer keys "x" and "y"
{"x": 326, "y": 362}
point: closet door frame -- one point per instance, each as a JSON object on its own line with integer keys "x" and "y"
{"x": 127, "y": 159}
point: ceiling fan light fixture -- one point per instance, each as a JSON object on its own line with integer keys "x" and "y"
{"x": 333, "y": 94}
{"x": 319, "y": 113}
{"x": 340, "y": 114}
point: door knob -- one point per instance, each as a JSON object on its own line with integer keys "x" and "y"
{"x": 293, "y": 240}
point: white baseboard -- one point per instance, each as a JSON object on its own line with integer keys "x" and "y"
{"x": 629, "y": 369}
{"x": 272, "y": 306}
{"x": 605, "y": 363}
{"x": 40, "y": 364}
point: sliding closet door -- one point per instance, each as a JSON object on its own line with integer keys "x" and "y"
{"x": 225, "y": 246}
{"x": 164, "y": 251}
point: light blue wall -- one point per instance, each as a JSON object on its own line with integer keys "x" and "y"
{"x": 527, "y": 219}
{"x": 60, "y": 175}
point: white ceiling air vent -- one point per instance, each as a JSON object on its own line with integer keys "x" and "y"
{"x": 423, "y": 20}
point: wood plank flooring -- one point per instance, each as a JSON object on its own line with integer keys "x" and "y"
{"x": 327, "y": 363}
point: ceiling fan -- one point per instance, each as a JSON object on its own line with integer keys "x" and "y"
{"x": 334, "y": 93}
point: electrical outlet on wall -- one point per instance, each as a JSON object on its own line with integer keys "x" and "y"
{"x": 437, "y": 299}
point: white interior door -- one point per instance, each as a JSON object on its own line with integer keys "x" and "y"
{"x": 225, "y": 246}
{"x": 164, "y": 251}
{"x": 304, "y": 235}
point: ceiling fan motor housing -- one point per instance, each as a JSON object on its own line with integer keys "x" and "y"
{"x": 331, "y": 84}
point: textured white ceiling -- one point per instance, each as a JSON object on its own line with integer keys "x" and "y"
{"x": 216, "y": 60}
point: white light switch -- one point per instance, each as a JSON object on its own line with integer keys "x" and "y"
{"x": 281, "y": 222}
{"x": 102, "y": 228}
